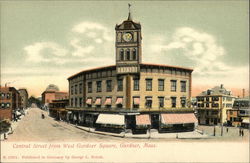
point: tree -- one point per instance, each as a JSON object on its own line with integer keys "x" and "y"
{"x": 4, "y": 126}
{"x": 33, "y": 100}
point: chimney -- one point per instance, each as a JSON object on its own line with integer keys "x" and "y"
{"x": 243, "y": 93}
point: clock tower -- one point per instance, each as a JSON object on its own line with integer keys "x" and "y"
{"x": 128, "y": 46}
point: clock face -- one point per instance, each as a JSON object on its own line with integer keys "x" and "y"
{"x": 127, "y": 36}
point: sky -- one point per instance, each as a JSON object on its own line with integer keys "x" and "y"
{"x": 45, "y": 42}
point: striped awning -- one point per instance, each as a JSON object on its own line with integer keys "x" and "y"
{"x": 89, "y": 101}
{"x": 245, "y": 120}
{"x": 113, "y": 119}
{"x": 136, "y": 101}
{"x": 118, "y": 100}
{"x": 98, "y": 101}
{"x": 142, "y": 119}
{"x": 108, "y": 101}
{"x": 178, "y": 118}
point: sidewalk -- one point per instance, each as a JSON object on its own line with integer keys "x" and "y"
{"x": 14, "y": 124}
{"x": 152, "y": 135}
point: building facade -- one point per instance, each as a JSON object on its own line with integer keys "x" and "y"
{"x": 239, "y": 114}
{"x": 52, "y": 93}
{"x": 24, "y": 98}
{"x": 9, "y": 102}
{"x": 212, "y": 105}
{"x": 141, "y": 94}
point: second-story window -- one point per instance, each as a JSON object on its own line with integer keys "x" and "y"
{"x": 89, "y": 87}
{"x": 75, "y": 89}
{"x": 72, "y": 90}
{"x": 160, "y": 84}
{"x": 98, "y": 86}
{"x": 148, "y": 84}
{"x": 80, "y": 88}
{"x": 109, "y": 85}
{"x": 119, "y": 85}
{"x": 76, "y": 104}
{"x": 71, "y": 102}
{"x": 173, "y": 102}
{"x": 183, "y": 102}
{"x": 173, "y": 85}
{"x": 148, "y": 102}
{"x": 183, "y": 86}
{"x": 80, "y": 102}
{"x": 161, "y": 102}
{"x": 136, "y": 85}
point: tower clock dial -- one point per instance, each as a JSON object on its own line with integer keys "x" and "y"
{"x": 127, "y": 37}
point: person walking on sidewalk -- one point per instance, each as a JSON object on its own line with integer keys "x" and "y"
{"x": 242, "y": 132}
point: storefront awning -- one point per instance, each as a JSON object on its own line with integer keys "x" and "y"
{"x": 245, "y": 120}
{"x": 137, "y": 101}
{"x": 178, "y": 118}
{"x": 113, "y": 119}
{"x": 108, "y": 101}
{"x": 142, "y": 119}
{"x": 118, "y": 101}
{"x": 89, "y": 101}
{"x": 98, "y": 101}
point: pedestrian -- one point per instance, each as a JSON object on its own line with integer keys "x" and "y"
{"x": 4, "y": 136}
{"x": 239, "y": 132}
{"x": 227, "y": 129}
{"x": 242, "y": 133}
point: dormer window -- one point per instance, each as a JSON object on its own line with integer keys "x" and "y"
{"x": 134, "y": 54}
{"x": 121, "y": 54}
{"x": 128, "y": 54}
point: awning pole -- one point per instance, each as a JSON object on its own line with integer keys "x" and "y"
{"x": 124, "y": 126}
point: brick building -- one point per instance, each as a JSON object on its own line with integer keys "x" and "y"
{"x": 132, "y": 94}
{"x": 52, "y": 93}
{"x": 10, "y": 101}
{"x": 213, "y": 104}
{"x": 24, "y": 98}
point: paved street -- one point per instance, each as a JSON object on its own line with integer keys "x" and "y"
{"x": 33, "y": 128}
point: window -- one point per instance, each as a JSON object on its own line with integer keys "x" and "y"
{"x": 160, "y": 84}
{"x": 215, "y": 98}
{"x": 136, "y": 102}
{"x": 161, "y": 102}
{"x": 7, "y": 105}
{"x": 75, "y": 89}
{"x": 80, "y": 88}
{"x": 109, "y": 85}
{"x": 89, "y": 87}
{"x": 8, "y": 96}
{"x": 136, "y": 85}
{"x": 121, "y": 54}
{"x": 207, "y": 104}
{"x": 183, "y": 102}
{"x": 2, "y": 95}
{"x": 148, "y": 102}
{"x": 173, "y": 85}
{"x": 207, "y": 98}
{"x": 148, "y": 84}
{"x": 98, "y": 86}
{"x": 173, "y": 102}
{"x": 71, "y": 102}
{"x": 2, "y": 105}
{"x": 183, "y": 86}
{"x": 72, "y": 90}
{"x": 128, "y": 54}
{"x": 76, "y": 104}
{"x": 120, "y": 85}
{"x": 80, "y": 102}
{"x": 134, "y": 54}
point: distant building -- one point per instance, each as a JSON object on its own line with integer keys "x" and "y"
{"x": 52, "y": 93}
{"x": 213, "y": 104}
{"x": 131, "y": 93}
{"x": 24, "y": 98}
{"x": 57, "y": 109}
{"x": 9, "y": 102}
{"x": 239, "y": 114}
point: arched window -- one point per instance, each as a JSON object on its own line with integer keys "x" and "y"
{"x": 121, "y": 54}
{"x": 128, "y": 54}
{"x": 134, "y": 54}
